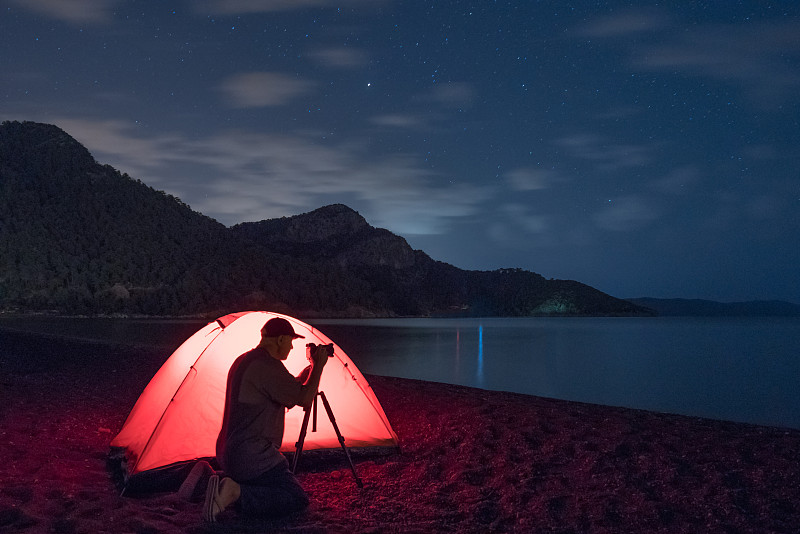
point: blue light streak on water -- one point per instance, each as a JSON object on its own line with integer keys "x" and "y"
{"x": 479, "y": 373}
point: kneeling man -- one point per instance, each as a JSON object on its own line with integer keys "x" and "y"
{"x": 260, "y": 388}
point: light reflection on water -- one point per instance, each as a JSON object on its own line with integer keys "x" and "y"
{"x": 741, "y": 369}
{"x": 479, "y": 374}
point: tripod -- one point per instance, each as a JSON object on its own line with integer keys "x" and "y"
{"x": 304, "y": 428}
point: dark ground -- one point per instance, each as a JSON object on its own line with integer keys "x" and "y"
{"x": 471, "y": 460}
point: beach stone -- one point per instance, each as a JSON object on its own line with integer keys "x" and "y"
{"x": 65, "y": 526}
{"x": 23, "y": 494}
{"x": 557, "y": 505}
{"x": 16, "y": 518}
{"x": 477, "y": 476}
{"x": 487, "y": 512}
{"x": 142, "y": 527}
{"x": 9, "y": 516}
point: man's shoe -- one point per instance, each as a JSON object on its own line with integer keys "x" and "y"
{"x": 211, "y": 506}
{"x": 219, "y": 495}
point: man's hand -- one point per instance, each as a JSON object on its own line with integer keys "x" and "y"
{"x": 320, "y": 354}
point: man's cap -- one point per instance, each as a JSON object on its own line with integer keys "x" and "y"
{"x": 279, "y": 327}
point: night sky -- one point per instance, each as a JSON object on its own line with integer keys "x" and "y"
{"x": 643, "y": 148}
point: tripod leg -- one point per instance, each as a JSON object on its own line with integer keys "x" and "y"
{"x": 341, "y": 439}
{"x": 301, "y": 438}
{"x": 314, "y": 414}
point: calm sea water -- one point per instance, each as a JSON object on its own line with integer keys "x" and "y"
{"x": 738, "y": 369}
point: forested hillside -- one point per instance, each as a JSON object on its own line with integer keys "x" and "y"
{"x": 79, "y": 237}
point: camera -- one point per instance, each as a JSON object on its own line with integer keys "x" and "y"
{"x": 314, "y": 347}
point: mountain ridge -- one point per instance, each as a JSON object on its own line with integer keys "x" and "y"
{"x": 83, "y": 238}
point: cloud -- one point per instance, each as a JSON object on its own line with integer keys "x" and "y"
{"x": 625, "y": 23}
{"x": 454, "y": 94}
{"x": 341, "y": 57}
{"x": 532, "y": 179}
{"x": 118, "y": 140}
{"x": 518, "y": 227}
{"x": 754, "y": 55}
{"x": 763, "y": 152}
{"x": 267, "y": 176}
{"x": 408, "y": 199}
{"x": 766, "y": 207}
{"x": 257, "y": 6}
{"x": 678, "y": 181}
{"x": 262, "y": 89}
{"x": 233, "y": 7}
{"x": 607, "y": 156}
{"x": 72, "y": 11}
{"x": 397, "y": 120}
{"x": 626, "y": 213}
{"x": 243, "y": 176}
{"x": 524, "y": 220}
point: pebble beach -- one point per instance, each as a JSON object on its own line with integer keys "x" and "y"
{"x": 470, "y": 460}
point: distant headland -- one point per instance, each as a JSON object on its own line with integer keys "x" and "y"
{"x": 710, "y": 308}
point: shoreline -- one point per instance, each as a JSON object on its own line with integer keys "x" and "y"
{"x": 471, "y": 460}
{"x": 167, "y": 334}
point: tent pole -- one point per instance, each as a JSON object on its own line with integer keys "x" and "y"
{"x": 192, "y": 368}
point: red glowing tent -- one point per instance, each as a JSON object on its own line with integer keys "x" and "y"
{"x": 178, "y": 416}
